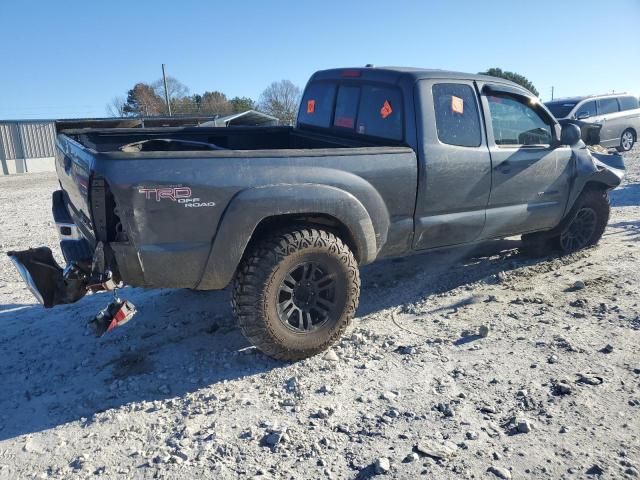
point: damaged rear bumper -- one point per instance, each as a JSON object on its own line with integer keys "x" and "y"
{"x": 85, "y": 271}
{"x": 50, "y": 284}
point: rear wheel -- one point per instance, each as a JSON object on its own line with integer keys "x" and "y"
{"x": 627, "y": 139}
{"x": 296, "y": 292}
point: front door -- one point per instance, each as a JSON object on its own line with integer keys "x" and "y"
{"x": 530, "y": 172}
{"x": 454, "y": 165}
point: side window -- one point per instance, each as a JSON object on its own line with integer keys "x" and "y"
{"x": 628, "y": 103}
{"x": 380, "y": 112}
{"x": 587, "y": 109}
{"x": 607, "y": 105}
{"x": 457, "y": 119}
{"x": 317, "y": 104}
{"x": 517, "y": 123}
{"x": 346, "y": 107}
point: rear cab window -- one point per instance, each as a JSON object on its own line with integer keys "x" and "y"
{"x": 457, "y": 118}
{"x": 355, "y": 107}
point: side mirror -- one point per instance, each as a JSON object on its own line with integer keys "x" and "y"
{"x": 570, "y": 134}
{"x": 583, "y": 115}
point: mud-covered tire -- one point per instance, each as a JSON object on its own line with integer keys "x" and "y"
{"x": 595, "y": 202}
{"x": 592, "y": 203}
{"x": 263, "y": 276}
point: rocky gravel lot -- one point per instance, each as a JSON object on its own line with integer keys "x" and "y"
{"x": 464, "y": 364}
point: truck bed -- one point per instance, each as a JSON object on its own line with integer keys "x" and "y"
{"x": 159, "y": 197}
{"x": 210, "y": 139}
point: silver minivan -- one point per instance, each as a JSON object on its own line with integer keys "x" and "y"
{"x": 619, "y": 115}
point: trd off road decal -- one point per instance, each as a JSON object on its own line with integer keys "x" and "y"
{"x": 178, "y": 194}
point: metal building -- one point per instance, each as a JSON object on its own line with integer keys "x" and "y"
{"x": 27, "y": 146}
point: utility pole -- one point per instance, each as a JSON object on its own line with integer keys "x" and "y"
{"x": 551, "y": 92}
{"x": 166, "y": 90}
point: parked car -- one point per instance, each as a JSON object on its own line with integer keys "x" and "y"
{"x": 383, "y": 162}
{"x": 617, "y": 114}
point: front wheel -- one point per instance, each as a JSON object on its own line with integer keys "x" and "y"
{"x": 587, "y": 221}
{"x": 296, "y": 292}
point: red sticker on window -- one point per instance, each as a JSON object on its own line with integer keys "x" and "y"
{"x": 457, "y": 105}
{"x": 386, "y": 109}
{"x": 311, "y": 106}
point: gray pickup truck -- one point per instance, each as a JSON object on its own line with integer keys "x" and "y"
{"x": 383, "y": 162}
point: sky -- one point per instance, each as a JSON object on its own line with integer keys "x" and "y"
{"x": 65, "y": 59}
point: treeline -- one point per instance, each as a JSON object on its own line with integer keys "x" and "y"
{"x": 280, "y": 99}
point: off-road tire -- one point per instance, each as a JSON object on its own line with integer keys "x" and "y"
{"x": 543, "y": 244}
{"x": 596, "y": 200}
{"x": 258, "y": 282}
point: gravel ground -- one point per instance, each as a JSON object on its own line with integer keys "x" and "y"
{"x": 552, "y": 391}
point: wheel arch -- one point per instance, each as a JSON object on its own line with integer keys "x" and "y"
{"x": 253, "y": 213}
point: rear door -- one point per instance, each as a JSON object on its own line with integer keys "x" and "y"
{"x": 530, "y": 175}
{"x": 610, "y": 120}
{"x": 454, "y": 164}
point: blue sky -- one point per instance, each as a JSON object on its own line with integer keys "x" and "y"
{"x": 69, "y": 58}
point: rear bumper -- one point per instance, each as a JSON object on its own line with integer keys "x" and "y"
{"x": 49, "y": 282}
{"x": 75, "y": 248}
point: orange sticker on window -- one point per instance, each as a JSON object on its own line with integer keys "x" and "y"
{"x": 386, "y": 109}
{"x": 457, "y": 105}
{"x": 311, "y": 106}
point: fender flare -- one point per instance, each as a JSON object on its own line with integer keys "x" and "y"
{"x": 251, "y": 206}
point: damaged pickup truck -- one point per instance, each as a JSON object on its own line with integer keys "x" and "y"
{"x": 383, "y": 162}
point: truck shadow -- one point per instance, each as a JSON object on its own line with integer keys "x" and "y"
{"x": 54, "y": 372}
{"x": 626, "y": 195}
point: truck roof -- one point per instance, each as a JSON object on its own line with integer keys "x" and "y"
{"x": 395, "y": 74}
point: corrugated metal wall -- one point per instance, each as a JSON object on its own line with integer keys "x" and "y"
{"x": 27, "y": 140}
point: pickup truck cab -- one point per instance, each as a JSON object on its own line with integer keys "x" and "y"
{"x": 383, "y": 162}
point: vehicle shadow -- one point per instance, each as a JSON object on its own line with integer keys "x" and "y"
{"x": 626, "y": 195}
{"x": 54, "y": 371}
{"x": 630, "y": 229}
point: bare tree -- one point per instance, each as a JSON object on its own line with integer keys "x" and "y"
{"x": 281, "y": 100}
{"x": 175, "y": 88}
{"x": 116, "y": 107}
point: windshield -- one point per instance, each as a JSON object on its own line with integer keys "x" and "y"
{"x": 560, "y": 109}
